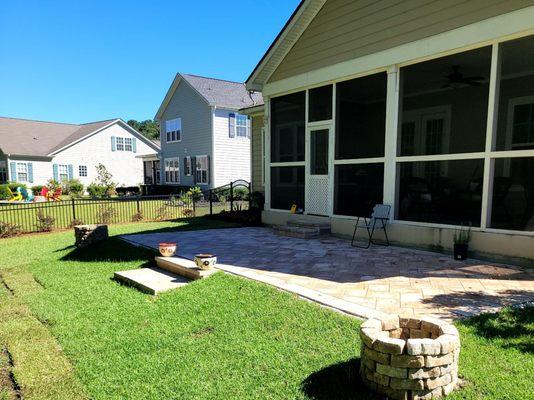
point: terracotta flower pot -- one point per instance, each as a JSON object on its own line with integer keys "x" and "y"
{"x": 167, "y": 249}
{"x": 205, "y": 261}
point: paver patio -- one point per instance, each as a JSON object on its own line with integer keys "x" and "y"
{"x": 360, "y": 282}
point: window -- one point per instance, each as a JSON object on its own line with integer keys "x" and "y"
{"x": 119, "y": 143}
{"x": 320, "y": 104}
{"x": 22, "y": 172}
{"x": 173, "y": 130}
{"x": 288, "y": 128}
{"x": 63, "y": 171}
{"x": 3, "y": 172}
{"x": 202, "y": 170}
{"x": 287, "y": 187}
{"x": 358, "y": 188}
{"x": 82, "y": 170}
{"x": 361, "y": 117}
{"x": 172, "y": 170}
{"x": 128, "y": 146}
{"x": 187, "y": 166}
{"x": 241, "y": 126}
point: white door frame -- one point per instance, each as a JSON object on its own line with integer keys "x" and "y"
{"x": 317, "y": 126}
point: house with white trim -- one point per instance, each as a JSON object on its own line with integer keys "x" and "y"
{"x": 425, "y": 106}
{"x": 32, "y": 152}
{"x": 205, "y": 141}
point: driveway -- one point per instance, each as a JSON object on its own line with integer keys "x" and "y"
{"x": 360, "y": 282}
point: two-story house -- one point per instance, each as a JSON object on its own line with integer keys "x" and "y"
{"x": 205, "y": 141}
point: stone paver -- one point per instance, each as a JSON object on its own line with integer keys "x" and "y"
{"x": 151, "y": 280}
{"x": 361, "y": 282}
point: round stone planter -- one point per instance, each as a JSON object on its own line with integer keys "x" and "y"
{"x": 410, "y": 358}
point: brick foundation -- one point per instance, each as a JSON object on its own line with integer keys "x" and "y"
{"x": 410, "y": 358}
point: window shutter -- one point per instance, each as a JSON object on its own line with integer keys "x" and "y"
{"x": 71, "y": 171}
{"x": 113, "y": 143}
{"x": 134, "y": 145}
{"x": 248, "y": 127}
{"x": 208, "y": 170}
{"x": 55, "y": 170}
{"x": 13, "y": 172}
{"x": 30, "y": 172}
{"x": 194, "y": 168}
{"x": 231, "y": 124}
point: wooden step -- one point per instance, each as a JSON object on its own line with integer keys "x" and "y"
{"x": 184, "y": 267}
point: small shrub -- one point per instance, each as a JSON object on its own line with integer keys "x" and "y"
{"x": 45, "y": 223}
{"x": 75, "y": 222}
{"x": 105, "y": 214}
{"x": 53, "y": 185}
{"x": 95, "y": 190}
{"x": 138, "y": 216}
{"x": 128, "y": 191}
{"x": 72, "y": 187}
{"x": 240, "y": 193}
{"x": 244, "y": 217}
{"x": 257, "y": 201}
{"x": 8, "y": 230}
{"x": 37, "y": 189}
{"x": 163, "y": 213}
{"x": 188, "y": 213}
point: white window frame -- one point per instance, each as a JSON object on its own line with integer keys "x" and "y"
{"x": 128, "y": 144}
{"x": 119, "y": 143}
{"x": 188, "y": 168}
{"x": 238, "y": 126}
{"x": 199, "y": 169}
{"x": 82, "y": 171}
{"x": 392, "y": 160}
{"x": 172, "y": 170}
{"x": 22, "y": 168}
{"x": 173, "y": 130}
{"x": 63, "y": 169}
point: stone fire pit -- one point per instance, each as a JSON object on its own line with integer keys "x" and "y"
{"x": 410, "y": 358}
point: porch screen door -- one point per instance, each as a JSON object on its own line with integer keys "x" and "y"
{"x": 317, "y": 171}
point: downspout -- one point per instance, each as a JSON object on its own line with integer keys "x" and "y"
{"x": 212, "y": 158}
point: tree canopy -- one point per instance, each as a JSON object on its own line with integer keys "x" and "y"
{"x": 149, "y": 128}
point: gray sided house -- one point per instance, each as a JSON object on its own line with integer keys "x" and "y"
{"x": 426, "y": 106}
{"x": 205, "y": 140}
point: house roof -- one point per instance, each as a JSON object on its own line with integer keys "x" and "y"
{"x": 40, "y": 138}
{"x": 284, "y": 41}
{"x": 216, "y": 92}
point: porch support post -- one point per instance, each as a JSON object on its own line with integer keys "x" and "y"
{"x": 491, "y": 131}
{"x": 391, "y": 140}
{"x": 267, "y": 160}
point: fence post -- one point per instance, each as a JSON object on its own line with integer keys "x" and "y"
{"x": 138, "y": 205}
{"x": 249, "y": 196}
{"x": 73, "y": 209}
{"x": 231, "y": 196}
{"x": 194, "y": 207}
{"x": 211, "y": 202}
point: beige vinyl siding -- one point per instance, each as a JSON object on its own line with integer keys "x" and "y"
{"x": 257, "y": 154}
{"x": 348, "y": 29}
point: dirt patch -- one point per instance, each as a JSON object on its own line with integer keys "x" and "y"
{"x": 9, "y": 388}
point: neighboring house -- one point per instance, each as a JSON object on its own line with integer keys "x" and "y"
{"x": 32, "y": 152}
{"x": 426, "y": 106}
{"x": 205, "y": 141}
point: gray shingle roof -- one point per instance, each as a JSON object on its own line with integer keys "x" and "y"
{"x": 39, "y": 138}
{"x": 224, "y": 94}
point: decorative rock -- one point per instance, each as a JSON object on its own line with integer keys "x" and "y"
{"x": 369, "y": 336}
{"x": 411, "y": 323}
{"x": 375, "y": 355}
{"x": 390, "y": 323}
{"x": 437, "y": 361}
{"x": 396, "y": 394}
{"x": 423, "y": 347}
{"x": 448, "y": 369}
{"x": 377, "y": 378}
{"x": 427, "y": 395}
{"x": 448, "y": 389}
{"x": 424, "y": 373}
{"x": 389, "y": 345}
{"x": 397, "y": 383}
{"x": 395, "y": 333}
{"x": 418, "y": 334}
{"x": 392, "y": 372}
{"x": 448, "y": 343}
{"x": 449, "y": 330}
{"x": 87, "y": 235}
{"x": 407, "y": 361}
{"x": 369, "y": 364}
{"x": 372, "y": 324}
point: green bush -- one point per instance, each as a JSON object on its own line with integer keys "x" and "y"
{"x": 36, "y": 189}
{"x": 95, "y": 190}
{"x": 45, "y": 223}
{"x": 72, "y": 187}
{"x": 8, "y": 230}
{"x": 4, "y": 193}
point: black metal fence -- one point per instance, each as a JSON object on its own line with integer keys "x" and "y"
{"x": 33, "y": 217}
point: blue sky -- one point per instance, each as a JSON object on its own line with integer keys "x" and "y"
{"x": 82, "y": 61}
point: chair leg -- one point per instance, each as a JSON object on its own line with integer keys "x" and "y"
{"x": 354, "y": 235}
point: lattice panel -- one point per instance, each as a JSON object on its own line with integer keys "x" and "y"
{"x": 317, "y": 199}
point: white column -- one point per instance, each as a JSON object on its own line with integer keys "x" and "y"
{"x": 390, "y": 152}
{"x": 332, "y": 154}
{"x": 267, "y": 161}
{"x": 491, "y": 132}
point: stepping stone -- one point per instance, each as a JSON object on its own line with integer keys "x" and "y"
{"x": 151, "y": 280}
{"x": 183, "y": 267}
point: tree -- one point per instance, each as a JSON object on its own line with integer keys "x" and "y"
{"x": 149, "y": 128}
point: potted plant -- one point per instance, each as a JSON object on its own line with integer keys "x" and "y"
{"x": 461, "y": 243}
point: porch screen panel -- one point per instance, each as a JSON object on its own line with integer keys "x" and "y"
{"x": 358, "y": 188}
{"x": 288, "y": 128}
{"x": 444, "y": 104}
{"x": 287, "y": 187}
{"x": 444, "y": 192}
{"x": 320, "y": 104}
{"x": 361, "y": 117}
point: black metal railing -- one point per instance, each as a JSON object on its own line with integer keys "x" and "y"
{"x": 235, "y": 196}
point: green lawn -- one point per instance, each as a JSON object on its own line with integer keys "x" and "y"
{"x": 70, "y": 331}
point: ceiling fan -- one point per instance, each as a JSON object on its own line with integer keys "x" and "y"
{"x": 456, "y": 79}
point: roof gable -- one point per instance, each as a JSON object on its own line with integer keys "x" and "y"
{"x": 215, "y": 92}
